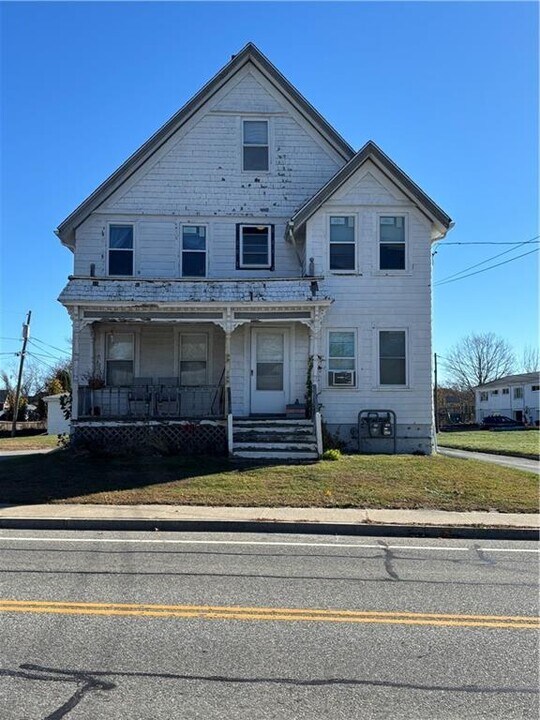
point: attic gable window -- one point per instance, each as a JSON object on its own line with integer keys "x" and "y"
{"x": 120, "y": 249}
{"x": 255, "y": 145}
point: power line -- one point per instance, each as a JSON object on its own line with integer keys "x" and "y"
{"x": 504, "y": 262}
{"x": 445, "y": 244}
{"x": 493, "y": 257}
{"x": 39, "y": 360}
{"x": 46, "y": 354}
{"x": 64, "y": 352}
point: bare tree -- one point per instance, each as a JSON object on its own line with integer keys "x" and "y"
{"x": 530, "y": 361}
{"x": 478, "y": 359}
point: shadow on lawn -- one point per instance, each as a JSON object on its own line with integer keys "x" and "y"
{"x": 64, "y": 474}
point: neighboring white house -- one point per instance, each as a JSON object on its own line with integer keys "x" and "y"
{"x": 56, "y": 420}
{"x": 515, "y": 396}
{"x": 243, "y": 259}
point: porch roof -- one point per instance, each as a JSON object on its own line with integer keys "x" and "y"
{"x": 164, "y": 293}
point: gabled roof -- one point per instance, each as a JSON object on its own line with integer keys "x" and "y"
{"x": 532, "y": 377}
{"x": 371, "y": 151}
{"x": 249, "y": 54}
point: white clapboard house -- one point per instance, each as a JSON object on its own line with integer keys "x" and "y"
{"x": 513, "y": 396}
{"x": 246, "y": 274}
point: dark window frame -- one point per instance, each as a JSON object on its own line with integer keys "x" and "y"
{"x": 239, "y": 247}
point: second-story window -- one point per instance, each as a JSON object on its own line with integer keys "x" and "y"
{"x": 255, "y": 247}
{"x": 120, "y": 249}
{"x": 392, "y": 242}
{"x": 255, "y": 145}
{"x": 484, "y": 396}
{"x": 342, "y": 243}
{"x": 518, "y": 393}
{"x": 193, "y": 251}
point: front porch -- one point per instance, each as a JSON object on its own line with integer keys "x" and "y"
{"x": 135, "y": 365}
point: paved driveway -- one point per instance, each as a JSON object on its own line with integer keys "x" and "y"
{"x": 507, "y": 460}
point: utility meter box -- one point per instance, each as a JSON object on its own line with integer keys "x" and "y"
{"x": 376, "y": 425}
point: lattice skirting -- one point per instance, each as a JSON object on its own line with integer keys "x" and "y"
{"x": 186, "y": 438}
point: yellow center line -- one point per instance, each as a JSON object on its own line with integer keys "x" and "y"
{"x": 212, "y": 612}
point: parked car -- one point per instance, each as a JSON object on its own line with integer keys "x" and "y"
{"x": 500, "y": 422}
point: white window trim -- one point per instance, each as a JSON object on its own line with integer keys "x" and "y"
{"x": 241, "y": 264}
{"x": 326, "y": 384}
{"x": 484, "y": 396}
{"x": 516, "y": 396}
{"x": 209, "y": 351}
{"x": 256, "y": 118}
{"x": 134, "y": 337}
{"x": 181, "y": 243}
{"x": 407, "y": 385}
{"x": 343, "y": 213}
{"x": 108, "y": 247}
{"x": 407, "y": 269}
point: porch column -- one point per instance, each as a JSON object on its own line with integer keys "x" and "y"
{"x": 76, "y": 328}
{"x": 228, "y": 333}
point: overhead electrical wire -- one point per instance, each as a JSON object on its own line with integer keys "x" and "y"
{"x": 483, "y": 262}
{"x": 491, "y": 267}
{"x": 64, "y": 352}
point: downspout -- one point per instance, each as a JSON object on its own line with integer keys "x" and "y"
{"x": 292, "y": 240}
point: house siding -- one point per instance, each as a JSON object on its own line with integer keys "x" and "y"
{"x": 369, "y": 300}
{"x": 197, "y": 177}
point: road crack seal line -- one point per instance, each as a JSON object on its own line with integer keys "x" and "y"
{"x": 389, "y": 558}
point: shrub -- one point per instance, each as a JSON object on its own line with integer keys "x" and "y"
{"x": 333, "y": 454}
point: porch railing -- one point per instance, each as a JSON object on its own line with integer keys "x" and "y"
{"x": 151, "y": 402}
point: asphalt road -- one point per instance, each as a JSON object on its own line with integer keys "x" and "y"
{"x": 163, "y": 626}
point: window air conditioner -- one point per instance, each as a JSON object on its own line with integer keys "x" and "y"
{"x": 341, "y": 378}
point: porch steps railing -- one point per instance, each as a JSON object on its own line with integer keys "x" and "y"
{"x": 268, "y": 439}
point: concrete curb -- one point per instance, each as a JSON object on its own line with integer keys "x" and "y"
{"x": 469, "y": 532}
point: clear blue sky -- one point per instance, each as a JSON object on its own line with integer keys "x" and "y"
{"x": 448, "y": 90}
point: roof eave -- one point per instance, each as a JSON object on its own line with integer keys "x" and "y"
{"x": 249, "y": 53}
{"x": 441, "y": 222}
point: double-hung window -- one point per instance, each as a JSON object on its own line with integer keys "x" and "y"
{"x": 255, "y": 247}
{"x": 341, "y": 358}
{"x": 392, "y": 357}
{"x": 255, "y": 145}
{"x": 120, "y": 249}
{"x": 342, "y": 243}
{"x": 518, "y": 393}
{"x": 392, "y": 242}
{"x": 119, "y": 362}
{"x": 484, "y": 396}
{"x": 193, "y": 358}
{"x": 193, "y": 251}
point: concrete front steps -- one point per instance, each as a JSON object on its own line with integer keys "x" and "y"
{"x": 269, "y": 439}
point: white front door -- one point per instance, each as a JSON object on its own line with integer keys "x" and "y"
{"x": 269, "y": 371}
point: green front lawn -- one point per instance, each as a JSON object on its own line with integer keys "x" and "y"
{"x": 28, "y": 442}
{"x": 375, "y": 481}
{"x": 521, "y": 443}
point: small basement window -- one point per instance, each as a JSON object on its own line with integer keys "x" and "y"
{"x": 255, "y": 145}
